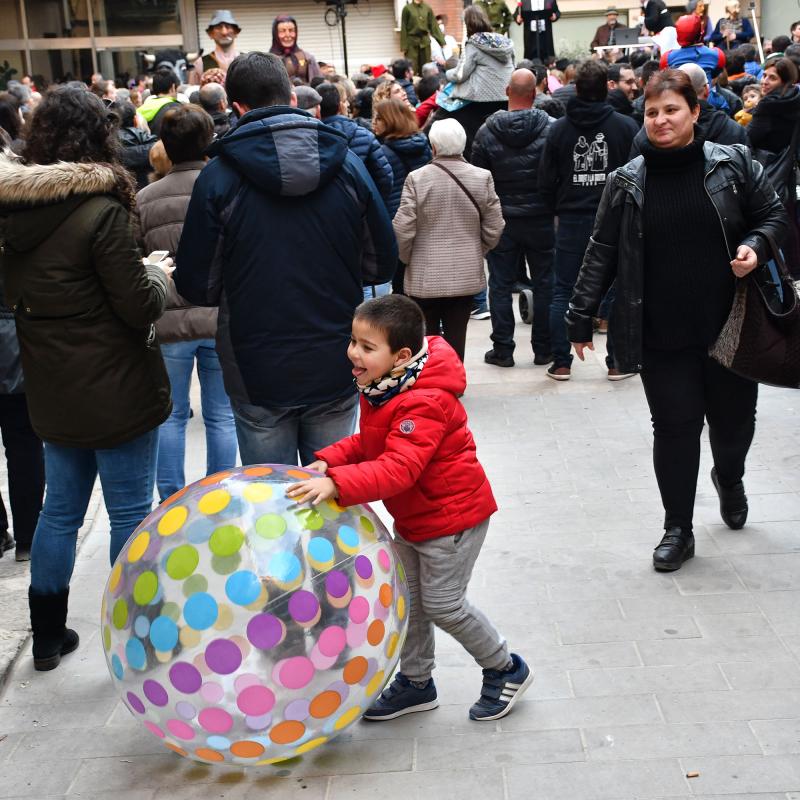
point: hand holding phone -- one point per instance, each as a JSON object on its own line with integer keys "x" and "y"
{"x": 161, "y": 259}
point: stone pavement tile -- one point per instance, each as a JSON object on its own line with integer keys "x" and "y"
{"x": 250, "y": 784}
{"x": 778, "y": 736}
{"x": 708, "y": 575}
{"x": 780, "y": 609}
{"x": 544, "y": 611}
{"x": 54, "y": 779}
{"x": 607, "y": 742}
{"x": 445, "y": 784}
{"x": 442, "y": 722}
{"x": 731, "y": 603}
{"x": 82, "y": 743}
{"x": 734, "y": 775}
{"x": 577, "y": 656}
{"x": 756, "y": 675}
{"x": 587, "y": 591}
{"x": 730, "y": 705}
{"x": 581, "y": 712}
{"x": 57, "y": 715}
{"x": 621, "y": 681}
{"x": 665, "y": 627}
{"x": 623, "y": 780}
{"x": 489, "y": 749}
{"x": 713, "y": 649}
{"x": 757, "y": 538}
{"x": 769, "y": 573}
{"x": 721, "y": 625}
{"x": 774, "y": 507}
{"x": 8, "y": 743}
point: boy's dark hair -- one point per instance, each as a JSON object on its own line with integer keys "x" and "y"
{"x": 400, "y": 66}
{"x": 780, "y": 43}
{"x": 163, "y": 81}
{"x": 549, "y": 104}
{"x": 428, "y": 86}
{"x": 748, "y": 51}
{"x": 258, "y": 80}
{"x": 398, "y": 317}
{"x": 648, "y": 70}
{"x": 331, "y": 100}
{"x": 186, "y": 132}
{"x": 591, "y": 81}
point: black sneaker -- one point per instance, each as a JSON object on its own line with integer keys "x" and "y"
{"x": 401, "y": 697}
{"x": 543, "y": 361}
{"x": 674, "y": 548}
{"x": 497, "y": 359}
{"x": 733, "y": 506}
{"x": 501, "y": 690}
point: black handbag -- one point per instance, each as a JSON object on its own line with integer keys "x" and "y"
{"x": 780, "y": 168}
{"x": 761, "y": 338}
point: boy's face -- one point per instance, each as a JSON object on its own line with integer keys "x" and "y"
{"x": 370, "y": 354}
{"x": 751, "y": 99}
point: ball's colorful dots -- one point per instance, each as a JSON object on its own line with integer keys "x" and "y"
{"x": 296, "y": 710}
{"x": 119, "y": 614}
{"x": 141, "y": 626}
{"x": 255, "y": 700}
{"x": 135, "y": 702}
{"x": 358, "y": 610}
{"x": 215, "y": 720}
{"x": 287, "y": 732}
{"x": 244, "y": 680}
{"x": 138, "y": 547}
{"x": 189, "y": 637}
{"x": 258, "y": 472}
{"x": 116, "y": 666}
{"x": 217, "y": 477}
{"x": 135, "y": 654}
{"x": 155, "y": 692}
{"x": 176, "y": 749}
{"x": 320, "y": 661}
{"x": 213, "y": 502}
{"x": 195, "y": 583}
{"x": 383, "y": 560}
{"x": 218, "y": 742}
{"x": 180, "y": 729}
{"x": 347, "y": 539}
{"x": 154, "y": 729}
{"x": 363, "y": 567}
{"x": 311, "y": 519}
{"x": 162, "y": 656}
{"x": 243, "y": 587}
{"x": 185, "y": 709}
{"x": 243, "y": 645}
{"x": 247, "y": 749}
{"x": 173, "y": 520}
{"x": 182, "y": 562}
{"x": 311, "y": 744}
{"x": 206, "y": 754}
{"x": 332, "y": 640}
{"x": 336, "y": 584}
{"x": 265, "y": 631}
{"x": 401, "y": 607}
{"x": 171, "y": 610}
{"x": 380, "y": 611}
{"x": 348, "y": 717}
{"x": 225, "y": 565}
{"x": 400, "y": 571}
{"x": 223, "y": 656}
{"x": 199, "y": 530}
{"x": 376, "y": 682}
{"x": 163, "y": 633}
{"x": 324, "y": 704}
{"x": 293, "y": 673}
{"x": 304, "y": 608}
{"x": 145, "y": 588}
{"x": 185, "y": 677}
{"x": 260, "y": 723}
{"x": 341, "y": 688}
{"x": 391, "y": 646}
{"x": 212, "y": 692}
{"x": 107, "y": 637}
{"x": 355, "y": 669}
{"x": 366, "y": 524}
{"x": 225, "y": 618}
{"x": 356, "y": 634}
{"x": 116, "y": 574}
{"x": 320, "y": 554}
{"x": 226, "y": 540}
{"x": 261, "y": 601}
{"x": 271, "y": 526}
{"x": 298, "y": 474}
{"x": 284, "y": 567}
{"x": 200, "y": 611}
{"x": 257, "y": 492}
{"x": 385, "y": 594}
{"x": 173, "y": 497}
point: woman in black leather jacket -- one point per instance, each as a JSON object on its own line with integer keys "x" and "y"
{"x": 675, "y": 243}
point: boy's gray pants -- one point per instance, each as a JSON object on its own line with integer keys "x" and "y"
{"x": 438, "y": 572}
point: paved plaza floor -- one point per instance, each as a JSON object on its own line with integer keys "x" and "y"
{"x": 642, "y": 679}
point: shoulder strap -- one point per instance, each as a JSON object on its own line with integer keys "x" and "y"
{"x": 461, "y": 186}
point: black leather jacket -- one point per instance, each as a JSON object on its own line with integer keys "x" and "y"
{"x": 748, "y": 208}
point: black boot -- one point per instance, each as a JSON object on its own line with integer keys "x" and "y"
{"x": 6, "y": 542}
{"x": 51, "y": 636}
{"x": 676, "y": 547}
{"x": 732, "y": 502}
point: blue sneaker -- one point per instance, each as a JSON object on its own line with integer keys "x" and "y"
{"x": 501, "y": 690}
{"x": 400, "y": 697}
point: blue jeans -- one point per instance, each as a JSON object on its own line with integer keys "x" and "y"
{"x": 533, "y": 238}
{"x": 275, "y": 435}
{"x": 377, "y": 290}
{"x": 127, "y": 474}
{"x": 179, "y": 358}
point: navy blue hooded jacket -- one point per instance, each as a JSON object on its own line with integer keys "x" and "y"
{"x": 404, "y": 156}
{"x": 364, "y": 144}
{"x": 283, "y": 228}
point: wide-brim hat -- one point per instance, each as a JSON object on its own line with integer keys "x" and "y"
{"x": 223, "y": 16}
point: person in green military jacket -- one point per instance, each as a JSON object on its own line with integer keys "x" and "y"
{"x": 498, "y": 13}
{"x": 417, "y": 25}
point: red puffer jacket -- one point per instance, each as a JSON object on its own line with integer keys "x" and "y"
{"x": 417, "y": 454}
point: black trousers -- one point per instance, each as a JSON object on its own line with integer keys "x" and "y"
{"x": 683, "y": 388}
{"x": 25, "y": 459}
{"x": 451, "y": 314}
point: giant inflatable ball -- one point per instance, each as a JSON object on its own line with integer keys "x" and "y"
{"x": 240, "y": 626}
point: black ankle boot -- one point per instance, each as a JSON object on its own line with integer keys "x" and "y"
{"x": 732, "y": 502}
{"x": 676, "y": 547}
{"x": 51, "y": 636}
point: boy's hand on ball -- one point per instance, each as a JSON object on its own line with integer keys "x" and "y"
{"x": 313, "y": 491}
{"x": 317, "y": 466}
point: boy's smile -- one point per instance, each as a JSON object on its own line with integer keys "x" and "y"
{"x": 370, "y": 354}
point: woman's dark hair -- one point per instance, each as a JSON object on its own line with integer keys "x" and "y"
{"x": 591, "y": 81}
{"x": 258, "y": 80}
{"x": 398, "y": 317}
{"x": 476, "y": 21}
{"x": 786, "y": 69}
{"x": 186, "y": 132}
{"x": 125, "y": 111}
{"x": 10, "y": 120}
{"x": 671, "y": 80}
{"x": 363, "y": 102}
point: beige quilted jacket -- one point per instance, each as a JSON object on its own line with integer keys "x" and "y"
{"x": 442, "y": 239}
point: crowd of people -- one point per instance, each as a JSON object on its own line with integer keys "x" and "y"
{"x": 408, "y": 186}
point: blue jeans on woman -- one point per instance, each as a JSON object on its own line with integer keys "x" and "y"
{"x": 179, "y": 358}
{"x": 127, "y": 474}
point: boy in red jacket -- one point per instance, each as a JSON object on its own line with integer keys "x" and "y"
{"x": 415, "y": 452}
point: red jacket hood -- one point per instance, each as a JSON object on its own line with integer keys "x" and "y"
{"x": 443, "y": 369}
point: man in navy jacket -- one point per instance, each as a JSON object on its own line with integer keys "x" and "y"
{"x": 283, "y": 228}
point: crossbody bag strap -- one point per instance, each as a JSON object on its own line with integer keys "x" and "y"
{"x": 462, "y": 187}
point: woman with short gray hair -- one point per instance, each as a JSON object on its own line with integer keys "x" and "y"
{"x": 449, "y": 218}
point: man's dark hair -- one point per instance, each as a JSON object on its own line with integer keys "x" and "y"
{"x": 591, "y": 81}
{"x": 615, "y": 71}
{"x": 331, "y": 99}
{"x": 400, "y": 66}
{"x": 735, "y": 64}
{"x": 316, "y": 81}
{"x": 748, "y": 51}
{"x": 648, "y": 70}
{"x": 428, "y": 86}
{"x": 258, "y": 80}
{"x": 780, "y": 43}
{"x": 186, "y": 132}
{"x": 793, "y": 52}
{"x": 126, "y": 112}
{"x": 363, "y": 103}
{"x": 639, "y": 58}
{"x": 551, "y": 106}
{"x": 163, "y": 81}
{"x": 398, "y": 317}
{"x": 211, "y": 95}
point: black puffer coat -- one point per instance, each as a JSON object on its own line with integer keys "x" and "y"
{"x": 509, "y": 144}
{"x": 747, "y": 207}
{"x": 404, "y": 156}
{"x": 774, "y": 120}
